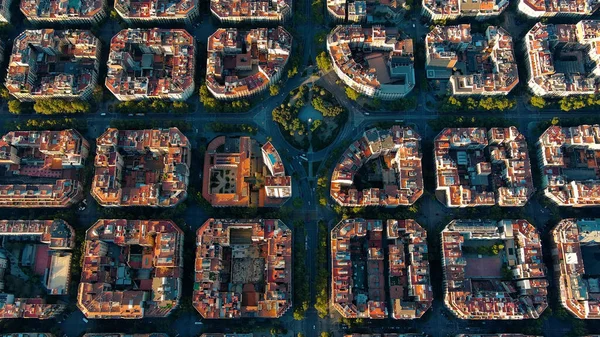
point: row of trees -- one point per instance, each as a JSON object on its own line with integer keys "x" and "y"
{"x": 466, "y": 122}
{"x": 155, "y": 106}
{"x": 569, "y": 103}
{"x": 301, "y": 289}
{"x": 140, "y": 124}
{"x": 452, "y": 104}
{"x": 48, "y": 124}
{"x": 226, "y": 127}
{"x": 322, "y": 301}
{"x": 213, "y": 105}
{"x": 327, "y": 108}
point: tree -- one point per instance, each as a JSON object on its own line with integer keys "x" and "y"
{"x": 4, "y": 94}
{"x": 14, "y": 107}
{"x": 323, "y": 62}
{"x": 315, "y": 125}
{"x": 98, "y": 94}
{"x": 274, "y": 90}
{"x": 352, "y": 94}
{"x": 537, "y": 102}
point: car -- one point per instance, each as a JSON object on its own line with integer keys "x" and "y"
{"x": 85, "y": 320}
{"x": 139, "y": 114}
{"x": 314, "y": 327}
{"x": 130, "y": 115}
{"x": 198, "y": 323}
{"x": 103, "y": 114}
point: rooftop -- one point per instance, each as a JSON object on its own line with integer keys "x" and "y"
{"x": 141, "y": 167}
{"x": 242, "y": 63}
{"x": 60, "y": 9}
{"x": 151, "y": 63}
{"x": 238, "y": 171}
{"x": 131, "y": 269}
{"x": 544, "y": 7}
{"x": 493, "y": 270}
{"x": 393, "y": 154}
{"x": 475, "y": 64}
{"x": 480, "y": 167}
{"x": 155, "y": 9}
{"x": 563, "y": 59}
{"x": 569, "y": 159}
{"x": 125, "y": 335}
{"x": 455, "y": 8}
{"x": 243, "y": 269}
{"x": 376, "y": 61}
{"x": 40, "y": 168}
{"x": 575, "y": 250}
{"x": 53, "y": 63}
{"x": 251, "y": 10}
{"x": 358, "y": 283}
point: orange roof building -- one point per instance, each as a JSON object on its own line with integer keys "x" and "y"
{"x": 493, "y": 270}
{"x": 243, "y": 269}
{"x": 481, "y": 167}
{"x": 256, "y": 11}
{"x": 453, "y": 9}
{"x": 141, "y": 168}
{"x": 157, "y": 11}
{"x": 151, "y": 64}
{"x": 48, "y": 63}
{"x": 569, "y": 158}
{"x": 564, "y": 59}
{"x": 131, "y": 269}
{"x": 473, "y": 64}
{"x": 396, "y": 155}
{"x": 239, "y": 172}
{"x": 574, "y": 245}
{"x": 245, "y": 63}
{"x": 74, "y": 12}
{"x": 46, "y": 165}
{"x": 358, "y": 284}
{"x": 377, "y": 62}
{"x": 558, "y": 8}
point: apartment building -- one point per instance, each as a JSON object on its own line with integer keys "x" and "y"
{"x": 12, "y": 307}
{"x": 495, "y": 335}
{"x": 5, "y": 13}
{"x": 358, "y": 259}
{"x": 74, "y": 12}
{"x": 152, "y": 64}
{"x": 43, "y": 248}
{"x": 453, "y": 9}
{"x": 239, "y": 172}
{"x": 473, "y": 64}
{"x": 241, "y": 64}
{"x": 41, "y": 168}
{"x": 27, "y": 334}
{"x": 369, "y": 11}
{"x": 569, "y": 158}
{"x": 255, "y": 11}
{"x": 50, "y": 63}
{"x": 157, "y": 11}
{"x": 562, "y": 59}
{"x": 385, "y": 69}
{"x": 131, "y": 269}
{"x": 51, "y": 258}
{"x": 243, "y": 269}
{"x": 393, "y": 157}
{"x": 558, "y": 8}
{"x": 493, "y": 270}
{"x": 480, "y": 167}
{"x": 141, "y": 168}
{"x": 575, "y": 243}
{"x": 113, "y": 334}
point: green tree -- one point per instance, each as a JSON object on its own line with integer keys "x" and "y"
{"x": 15, "y": 107}
{"x": 323, "y": 62}
{"x": 537, "y": 102}
{"x": 352, "y": 94}
{"x": 274, "y": 90}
